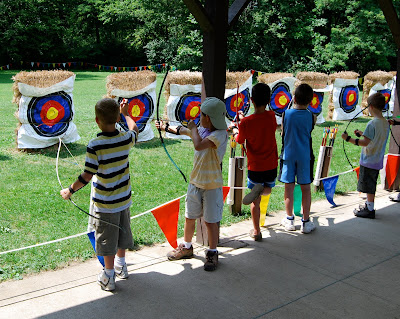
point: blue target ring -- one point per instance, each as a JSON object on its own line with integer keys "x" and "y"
{"x": 348, "y": 98}
{"x": 387, "y": 94}
{"x": 188, "y": 108}
{"x": 280, "y": 98}
{"x": 315, "y": 106}
{"x": 140, "y": 109}
{"x": 236, "y": 103}
{"x": 50, "y": 115}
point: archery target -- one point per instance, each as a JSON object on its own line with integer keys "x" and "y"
{"x": 387, "y": 94}
{"x": 236, "y": 103}
{"x": 188, "y": 108}
{"x": 140, "y": 109}
{"x": 280, "y": 98}
{"x": 348, "y": 98}
{"x": 345, "y": 95}
{"x": 316, "y": 104}
{"x": 50, "y": 115}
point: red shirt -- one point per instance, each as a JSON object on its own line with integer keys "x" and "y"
{"x": 258, "y": 130}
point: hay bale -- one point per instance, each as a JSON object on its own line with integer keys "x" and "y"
{"x": 129, "y": 81}
{"x": 268, "y": 78}
{"x": 315, "y": 79}
{"x": 394, "y": 73}
{"x": 370, "y": 79}
{"x": 232, "y": 78}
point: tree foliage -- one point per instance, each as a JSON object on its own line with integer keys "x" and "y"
{"x": 270, "y": 36}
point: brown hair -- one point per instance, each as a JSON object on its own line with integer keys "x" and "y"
{"x": 107, "y": 111}
{"x": 303, "y": 94}
{"x": 377, "y": 100}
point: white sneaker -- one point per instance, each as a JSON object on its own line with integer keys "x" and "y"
{"x": 105, "y": 282}
{"x": 307, "y": 227}
{"x": 121, "y": 271}
{"x": 288, "y": 224}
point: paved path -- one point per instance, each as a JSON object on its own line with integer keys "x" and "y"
{"x": 347, "y": 268}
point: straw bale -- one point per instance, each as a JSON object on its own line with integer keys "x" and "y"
{"x": 315, "y": 79}
{"x": 232, "y": 78}
{"x": 40, "y": 79}
{"x": 394, "y": 73}
{"x": 268, "y": 78}
{"x": 370, "y": 79}
{"x": 129, "y": 81}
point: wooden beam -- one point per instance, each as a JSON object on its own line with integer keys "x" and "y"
{"x": 199, "y": 13}
{"x": 236, "y": 10}
{"x": 392, "y": 19}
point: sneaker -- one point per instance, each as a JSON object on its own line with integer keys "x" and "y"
{"x": 105, "y": 282}
{"x": 364, "y": 212}
{"x": 253, "y": 195}
{"x": 255, "y": 237}
{"x": 211, "y": 260}
{"x": 395, "y": 198}
{"x": 180, "y": 253}
{"x": 307, "y": 227}
{"x": 288, "y": 224}
{"x": 121, "y": 271}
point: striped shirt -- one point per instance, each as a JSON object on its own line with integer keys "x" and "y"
{"x": 107, "y": 157}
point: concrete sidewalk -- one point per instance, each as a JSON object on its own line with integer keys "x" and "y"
{"x": 348, "y": 268}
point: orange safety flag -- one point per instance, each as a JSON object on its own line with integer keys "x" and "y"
{"x": 392, "y": 168}
{"x": 263, "y": 208}
{"x": 357, "y": 170}
{"x": 225, "y": 191}
{"x": 167, "y": 218}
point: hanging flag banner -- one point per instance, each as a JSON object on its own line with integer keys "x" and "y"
{"x": 388, "y": 92}
{"x": 167, "y": 217}
{"x": 330, "y": 187}
{"x": 93, "y": 242}
{"x": 281, "y": 96}
{"x": 225, "y": 191}
{"x": 45, "y": 113}
{"x": 392, "y": 168}
{"x": 357, "y": 170}
{"x": 345, "y": 97}
{"x": 263, "y": 208}
{"x": 297, "y": 198}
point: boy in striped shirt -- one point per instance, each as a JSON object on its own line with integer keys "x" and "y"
{"x": 107, "y": 157}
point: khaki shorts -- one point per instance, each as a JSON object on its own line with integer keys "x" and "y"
{"x": 110, "y": 238}
{"x": 207, "y": 203}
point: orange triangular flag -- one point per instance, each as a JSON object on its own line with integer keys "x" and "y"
{"x": 392, "y": 168}
{"x": 357, "y": 170}
{"x": 225, "y": 191}
{"x": 167, "y": 217}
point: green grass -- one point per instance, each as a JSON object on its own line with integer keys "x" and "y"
{"x": 32, "y": 211}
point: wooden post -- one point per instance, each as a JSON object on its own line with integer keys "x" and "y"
{"x": 236, "y": 208}
{"x": 326, "y": 164}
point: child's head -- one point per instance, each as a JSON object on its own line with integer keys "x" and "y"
{"x": 107, "y": 111}
{"x": 261, "y": 94}
{"x": 303, "y": 94}
{"x": 216, "y": 111}
{"x": 377, "y": 100}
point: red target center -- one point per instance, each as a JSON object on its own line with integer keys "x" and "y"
{"x": 237, "y": 102}
{"x": 387, "y": 97}
{"x": 351, "y": 97}
{"x": 315, "y": 102}
{"x": 136, "y": 109}
{"x": 192, "y": 110}
{"x": 281, "y": 100}
{"x": 52, "y": 112}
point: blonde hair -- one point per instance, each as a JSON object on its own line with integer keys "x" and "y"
{"x": 107, "y": 111}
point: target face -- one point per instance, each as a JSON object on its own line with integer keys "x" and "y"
{"x": 188, "y": 108}
{"x": 236, "y": 103}
{"x": 387, "y": 94}
{"x": 316, "y": 104}
{"x": 140, "y": 109}
{"x": 348, "y": 98}
{"x": 280, "y": 98}
{"x": 50, "y": 115}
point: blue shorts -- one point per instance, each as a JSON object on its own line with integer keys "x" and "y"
{"x": 289, "y": 169}
{"x": 267, "y": 178}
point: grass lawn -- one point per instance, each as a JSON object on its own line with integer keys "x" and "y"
{"x": 32, "y": 211}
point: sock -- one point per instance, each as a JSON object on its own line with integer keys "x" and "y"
{"x": 187, "y": 244}
{"x": 212, "y": 250}
{"x": 109, "y": 272}
{"x": 290, "y": 217}
{"x": 305, "y": 221}
{"x": 119, "y": 261}
{"x": 397, "y": 196}
{"x": 370, "y": 205}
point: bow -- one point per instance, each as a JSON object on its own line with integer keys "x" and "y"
{"x": 159, "y": 129}
{"x": 62, "y": 187}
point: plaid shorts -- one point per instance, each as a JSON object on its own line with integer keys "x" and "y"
{"x": 367, "y": 180}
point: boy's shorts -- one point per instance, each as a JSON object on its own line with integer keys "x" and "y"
{"x": 367, "y": 180}
{"x": 110, "y": 238}
{"x": 208, "y": 203}
{"x": 267, "y": 178}
{"x": 289, "y": 169}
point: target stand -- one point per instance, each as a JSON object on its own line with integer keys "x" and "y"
{"x": 323, "y": 166}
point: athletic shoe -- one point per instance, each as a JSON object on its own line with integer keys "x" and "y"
{"x": 395, "y": 198}
{"x": 307, "y": 227}
{"x": 180, "y": 253}
{"x": 121, "y": 271}
{"x": 105, "y": 282}
{"x": 211, "y": 260}
{"x": 364, "y": 212}
{"x": 255, "y": 237}
{"x": 288, "y": 224}
{"x": 253, "y": 195}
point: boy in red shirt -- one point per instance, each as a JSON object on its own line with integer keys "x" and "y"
{"x": 258, "y": 131}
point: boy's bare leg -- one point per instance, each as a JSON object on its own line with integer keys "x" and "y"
{"x": 371, "y": 198}
{"x": 255, "y": 210}
{"x": 212, "y": 229}
{"x": 121, "y": 253}
{"x": 189, "y": 228}
{"x": 306, "y": 200}
{"x": 289, "y": 190}
{"x": 109, "y": 262}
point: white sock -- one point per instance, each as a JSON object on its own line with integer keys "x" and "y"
{"x": 397, "y": 196}
{"x": 187, "y": 244}
{"x": 119, "y": 261}
{"x": 370, "y": 205}
{"x": 109, "y": 272}
{"x": 290, "y": 217}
